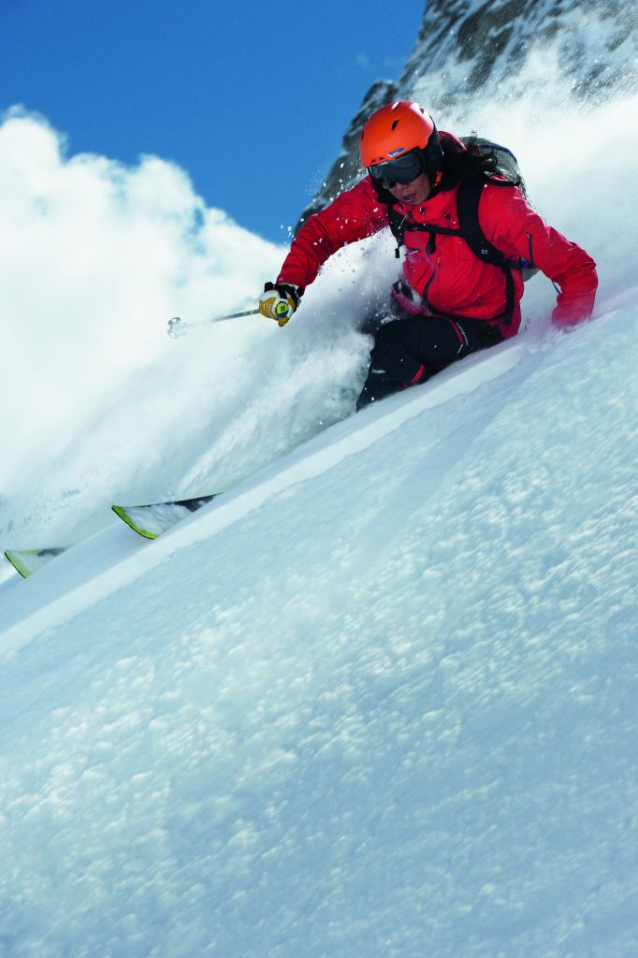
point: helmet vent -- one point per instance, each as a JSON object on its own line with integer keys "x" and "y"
{"x": 395, "y": 125}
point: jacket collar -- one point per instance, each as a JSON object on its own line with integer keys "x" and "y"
{"x": 434, "y": 208}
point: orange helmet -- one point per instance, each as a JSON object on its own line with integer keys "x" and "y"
{"x": 393, "y": 130}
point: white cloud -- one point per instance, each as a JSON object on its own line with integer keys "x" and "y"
{"x": 97, "y": 402}
{"x": 95, "y": 257}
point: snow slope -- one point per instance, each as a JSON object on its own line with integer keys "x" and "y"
{"x": 380, "y": 701}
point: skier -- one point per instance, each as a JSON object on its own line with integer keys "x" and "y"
{"x": 450, "y": 301}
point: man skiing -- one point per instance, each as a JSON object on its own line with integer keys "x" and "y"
{"x": 461, "y": 284}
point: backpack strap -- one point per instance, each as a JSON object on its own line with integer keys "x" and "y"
{"x": 467, "y": 201}
{"x": 398, "y": 227}
{"x": 468, "y": 198}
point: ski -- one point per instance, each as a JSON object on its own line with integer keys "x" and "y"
{"x": 149, "y": 521}
{"x": 156, "y": 518}
{"x": 28, "y": 561}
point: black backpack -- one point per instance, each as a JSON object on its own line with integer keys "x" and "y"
{"x": 468, "y": 198}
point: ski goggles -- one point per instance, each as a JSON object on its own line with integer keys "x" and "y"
{"x": 402, "y": 170}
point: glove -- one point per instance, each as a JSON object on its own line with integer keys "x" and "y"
{"x": 279, "y": 301}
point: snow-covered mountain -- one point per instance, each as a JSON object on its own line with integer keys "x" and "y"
{"x": 379, "y": 698}
{"x": 501, "y": 51}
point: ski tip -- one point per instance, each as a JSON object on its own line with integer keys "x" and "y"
{"x": 16, "y": 562}
{"x": 155, "y": 518}
{"x": 28, "y": 561}
{"x": 122, "y": 512}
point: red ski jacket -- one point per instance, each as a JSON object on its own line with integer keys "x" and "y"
{"x": 450, "y": 279}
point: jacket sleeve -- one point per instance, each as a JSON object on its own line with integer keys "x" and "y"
{"x": 514, "y": 227}
{"x": 354, "y": 215}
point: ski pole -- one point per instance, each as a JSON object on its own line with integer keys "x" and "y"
{"x": 178, "y": 328}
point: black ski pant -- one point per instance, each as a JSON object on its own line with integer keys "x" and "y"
{"x": 411, "y": 349}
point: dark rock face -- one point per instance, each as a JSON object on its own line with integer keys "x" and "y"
{"x": 345, "y": 170}
{"x": 472, "y": 46}
{"x": 466, "y": 47}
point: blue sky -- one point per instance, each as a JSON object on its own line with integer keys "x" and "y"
{"x": 251, "y": 99}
